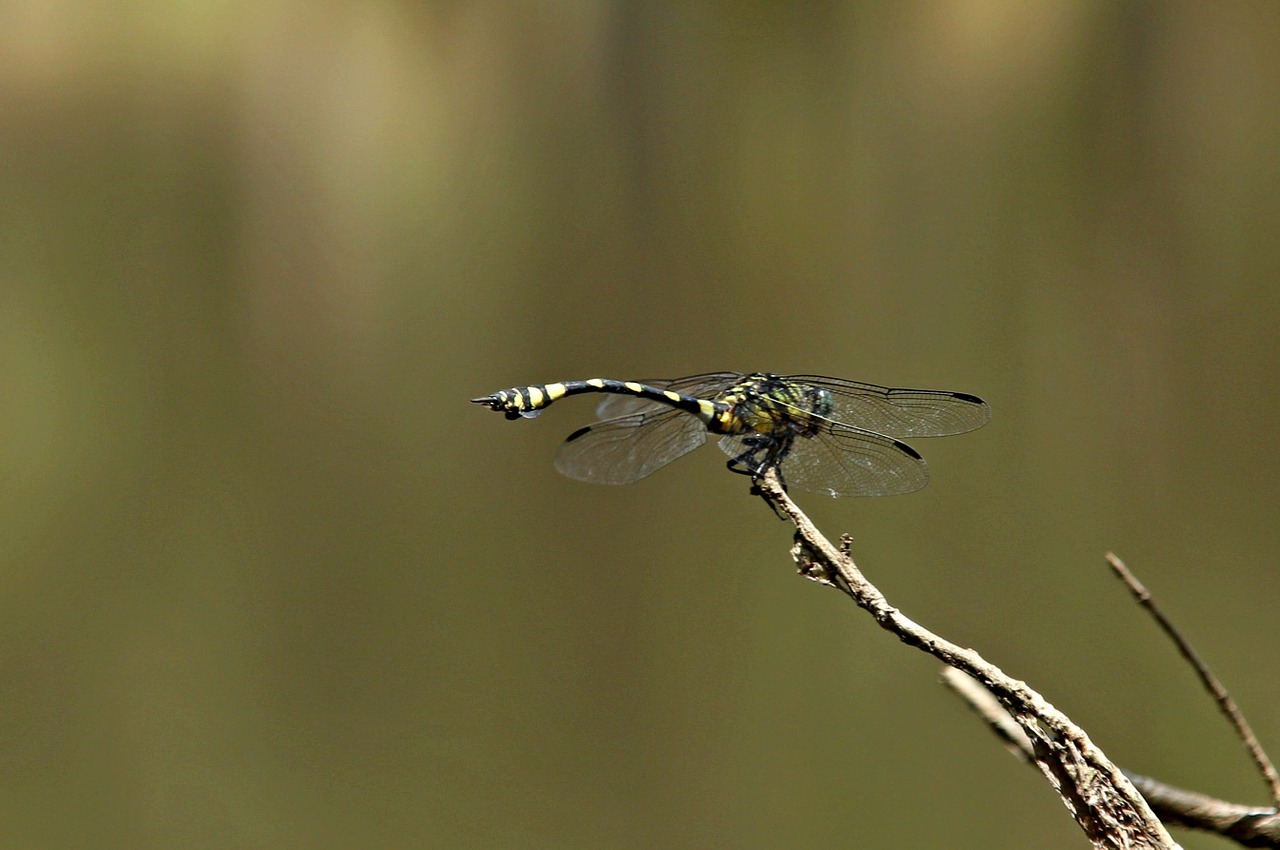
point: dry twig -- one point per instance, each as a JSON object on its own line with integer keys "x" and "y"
{"x": 1246, "y": 825}
{"x": 1211, "y": 683}
{"x": 1096, "y": 793}
{"x": 1249, "y": 826}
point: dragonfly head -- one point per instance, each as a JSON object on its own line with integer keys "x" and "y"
{"x": 815, "y": 407}
{"x": 823, "y": 402}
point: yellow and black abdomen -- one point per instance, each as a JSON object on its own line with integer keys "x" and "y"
{"x": 529, "y": 401}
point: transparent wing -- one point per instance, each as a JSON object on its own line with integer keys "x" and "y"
{"x": 698, "y": 386}
{"x": 628, "y": 448}
{"x": 845, "y": 461}
{"x": 901, "y": 412}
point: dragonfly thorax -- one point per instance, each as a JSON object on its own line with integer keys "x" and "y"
{"x": 763, "y": 403}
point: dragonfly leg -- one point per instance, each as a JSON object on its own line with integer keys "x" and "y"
{"x": 756, "y": 491}
{"x": 750, "y": 462}
{"x": 762, "y": 453}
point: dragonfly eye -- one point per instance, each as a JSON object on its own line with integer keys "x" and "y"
{"x": 823, "y": 403}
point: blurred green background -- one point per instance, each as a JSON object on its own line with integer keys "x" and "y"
{"x": 269, "y": 581}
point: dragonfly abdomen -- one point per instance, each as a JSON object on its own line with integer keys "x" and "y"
{"x": 529, "y": 401}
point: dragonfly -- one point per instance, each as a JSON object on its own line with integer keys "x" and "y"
{"x": 826, "y": 435}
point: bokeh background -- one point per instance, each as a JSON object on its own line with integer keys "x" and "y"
{"x": 267, "y": 580}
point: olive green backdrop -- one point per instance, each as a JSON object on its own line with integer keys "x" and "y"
{"x": 268, "y": 581}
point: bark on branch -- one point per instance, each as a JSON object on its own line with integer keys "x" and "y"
{"x": 1098, "y": 795}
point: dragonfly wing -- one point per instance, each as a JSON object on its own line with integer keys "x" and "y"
{"x": 698, "y": 386}
{"x": 901, "y": 412}
{"x": 628, "y": 448}
{"x": 845, "y": 461}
